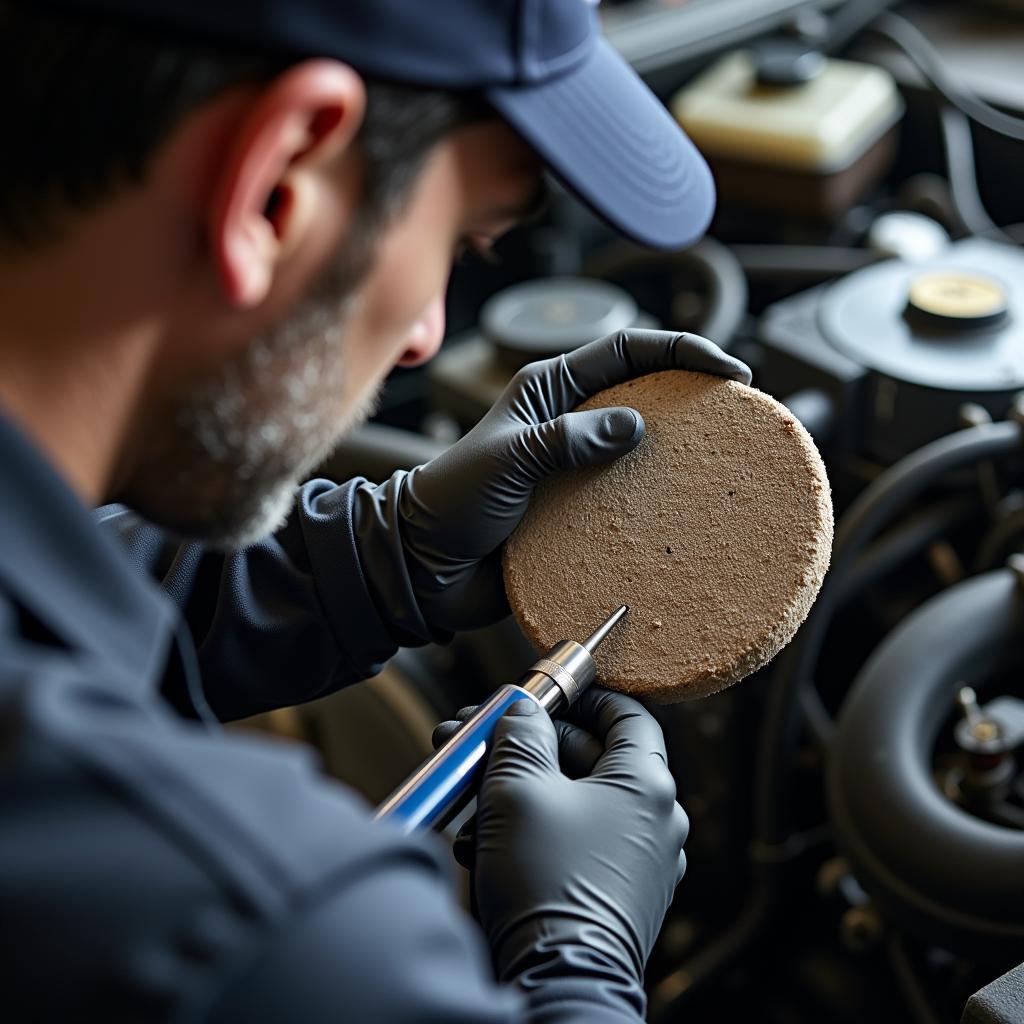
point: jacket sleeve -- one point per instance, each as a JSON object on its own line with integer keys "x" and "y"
{"x": 282, "y": 622}
{"x": 156, "y": 870}
{"x": 423, "y": 972}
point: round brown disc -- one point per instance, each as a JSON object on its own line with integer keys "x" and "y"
{"x": 716, "y": 531}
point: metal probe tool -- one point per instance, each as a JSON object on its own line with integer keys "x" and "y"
{"x": 440, "y": 786}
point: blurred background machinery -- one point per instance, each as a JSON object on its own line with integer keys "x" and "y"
{"x": 857, "y": 842}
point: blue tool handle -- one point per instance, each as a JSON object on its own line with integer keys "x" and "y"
{"x": 441, "y": 781}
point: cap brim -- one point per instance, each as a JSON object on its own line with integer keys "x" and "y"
{"x": 608, "y": 137}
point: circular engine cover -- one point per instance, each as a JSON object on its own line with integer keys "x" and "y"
{"x": 542, "y": 318}
{"x": 870, "y": 317}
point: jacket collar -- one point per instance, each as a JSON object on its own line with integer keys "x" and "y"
{"x": 75, "y": 579}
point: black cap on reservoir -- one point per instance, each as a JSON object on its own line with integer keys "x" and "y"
{"x": 543, "y": 64}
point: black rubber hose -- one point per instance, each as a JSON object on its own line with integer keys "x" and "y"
{"x": 727, "y": 291}
{"x": 963, "y": 178}
{"x": 709, "y": 261}
{"x": 915, "y": 993}
{"x": 901, "y": 543}
{"x": 886, "y": 495}
{"x": 935, "y": 69}
{"x": 879, "y": 559}
{"x": 933, "y": 867}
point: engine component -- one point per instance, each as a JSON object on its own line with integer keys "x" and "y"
{"x": 982, "y": 776}
{"x": 545, "y": 318}
{"x": 525, "y": 322}
{"x": 912, "y": 237}
{"x": 901, "y": 346}
{"x": 812, "y": 145}
{"x": 940, "y": 871}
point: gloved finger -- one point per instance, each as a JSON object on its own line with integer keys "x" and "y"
{"x": 578, "y": 750}
{"x": 444, "y": 731}
{"x": 629, "y": 732}
{"x": 524, "y": 743}
{"x": 577, "y": 439}
{"x": 632, "y": 353}
{"x": 680, "y": 828}
{"x": 464, "y": 844}
{"x": 681, "y": 823}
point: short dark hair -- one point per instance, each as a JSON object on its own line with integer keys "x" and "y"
{"x": 88, "y": 100}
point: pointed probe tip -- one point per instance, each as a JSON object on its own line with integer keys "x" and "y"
{"x": 605, "y": 628}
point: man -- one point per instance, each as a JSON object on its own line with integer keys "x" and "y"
{"x": 221, "y": 225}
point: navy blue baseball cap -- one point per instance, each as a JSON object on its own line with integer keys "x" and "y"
{"x": 543, "y": 64}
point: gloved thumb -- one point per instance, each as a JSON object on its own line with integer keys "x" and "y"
{"x": 591, "y": 438}
{"x": 524, "y": 743}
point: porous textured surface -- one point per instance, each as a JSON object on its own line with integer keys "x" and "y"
{"x": 716, "y": 531}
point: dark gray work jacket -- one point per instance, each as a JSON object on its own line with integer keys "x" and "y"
{"x": 155, "y": 868}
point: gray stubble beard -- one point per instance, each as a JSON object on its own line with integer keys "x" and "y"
{"x": 244, "y": 437}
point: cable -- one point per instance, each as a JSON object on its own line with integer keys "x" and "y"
{"x": 914, "y": 991}
{"x": 727, "y": 291}
{"x": 963, "y": 177}
{"x": 668, "y": 995}
{"x": 923, "y": 55}
{"x": 954, "y": 123}
{"x": 995, "y": 544}
{"x": 849, "y": 19}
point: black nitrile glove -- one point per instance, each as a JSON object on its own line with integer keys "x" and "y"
{"x": 578, "y": 752}
{"x": 572, "y": 878}
{"x": 429, "y": 540}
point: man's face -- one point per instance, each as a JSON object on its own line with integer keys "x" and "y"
{"x": 475, "y": 187}
{"x": 240, "y": 438}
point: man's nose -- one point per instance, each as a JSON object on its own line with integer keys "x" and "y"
{"x": 426, "y": 336}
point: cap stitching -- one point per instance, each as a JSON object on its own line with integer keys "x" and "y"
{"x": 536, "y": 69}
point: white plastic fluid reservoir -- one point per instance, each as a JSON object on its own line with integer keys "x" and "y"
{"x": 822, "y": 125}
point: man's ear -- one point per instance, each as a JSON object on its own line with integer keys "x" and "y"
{"x": 297, "y": 123}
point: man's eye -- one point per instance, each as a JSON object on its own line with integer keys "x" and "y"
{"x": 478, "y": 245}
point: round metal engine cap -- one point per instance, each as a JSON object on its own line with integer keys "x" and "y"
{"x": 555, "y": 315}
{"x": 865, "y": 317}
{"x": 957, "y": 298}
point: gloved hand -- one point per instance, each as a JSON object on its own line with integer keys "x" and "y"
{"x": 573, "y": 877}
{"x": 429, "y": 540}
{"x": 578, "y": 752}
